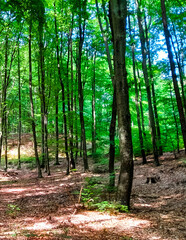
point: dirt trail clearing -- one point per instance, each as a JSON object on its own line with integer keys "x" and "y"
{"x": 46, "y": 208}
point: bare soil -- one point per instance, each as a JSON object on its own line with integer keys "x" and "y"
{"x": 32, "y": 208}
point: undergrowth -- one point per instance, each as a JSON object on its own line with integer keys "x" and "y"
{"x": 97, "y": 196}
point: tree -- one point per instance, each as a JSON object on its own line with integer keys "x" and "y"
{"x": 147, "y": 83}
{"x": 118, "y": 14}
{"x": 173, "y": 71}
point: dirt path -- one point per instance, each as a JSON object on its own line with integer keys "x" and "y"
{"x": 46, "y": 208}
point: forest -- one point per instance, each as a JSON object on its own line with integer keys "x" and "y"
{"x": 92, "y": 119}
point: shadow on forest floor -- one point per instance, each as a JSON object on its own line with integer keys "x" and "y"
{"x": 46, "y": 208}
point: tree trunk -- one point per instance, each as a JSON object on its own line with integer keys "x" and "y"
{"x": 137, "y": 95}
{"x": 140, "y": 101}
{"x": 63, "y": 95}
{"x": 32, "y": 106}
{"x": 175, "y": 120}
{"x": 118, "y": 14}
{"x": 93, "y": 106}
{"x": 70, "y": 118}
{"x": 19, "y": 124}
{"x": 173, "y": 71}
{"x": 80, "y": 87}
{"x": 160, "y": 147}
{"x": 57, "y": 130}
{"x": 112, "y": 133}
{"x": 112, "y": 128}
{"x": 147, "y": 83}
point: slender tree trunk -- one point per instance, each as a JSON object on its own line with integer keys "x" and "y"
{"x": 94, "y": 106}
{"x": 137, "y": 96}
{"x": 63, "y": 96}
{"x": 80, "y": 85}
{"x": 76, "y": 120}
{"x": 72, "y": 106}
{"x": 175, "y": 120}
{"x": 19, "y": 124}
{"x": 69, "y": 101}
{"x": 140, "y": 101}
{"x": 112, "y": 129}
{"x": 147, "y": 83}
{"x": 32, "y": 105}
{"x": 42, "y": 123}
{"x": 180, "y": 73}
{"x": 160, "y": 147}
{"x": 118, "y": 14}
{"x": 57, "y": 129}
{"x": 173, "y": 71}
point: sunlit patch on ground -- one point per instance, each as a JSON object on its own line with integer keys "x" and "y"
{"x": 48, "y": 207}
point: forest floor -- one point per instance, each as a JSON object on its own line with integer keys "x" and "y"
{"x": 32, "y": 208}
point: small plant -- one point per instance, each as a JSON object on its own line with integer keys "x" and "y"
{"x": 93, "y": 194}
{"x": 13, "y": 210}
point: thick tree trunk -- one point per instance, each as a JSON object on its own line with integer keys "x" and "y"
{"x": 118, "y": 14}
{"x": 173, "y": 71}
{"x": 32, "y": 106}
{"x": 147, "y": 83}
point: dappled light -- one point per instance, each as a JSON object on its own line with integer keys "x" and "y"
{"x": 49, "y": 206}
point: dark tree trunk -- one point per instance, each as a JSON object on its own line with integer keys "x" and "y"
{"x": 80, "y": 86}
{"x": 43, "y": 100}
{"x": 32, "y": 105}
{"x": 147, "y": 83}
{"x": 118, "y": 14}
{"x": 173, "y": 71}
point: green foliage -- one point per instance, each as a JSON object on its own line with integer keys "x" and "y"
{"x": 93, "y": 194}
{"x": 13, "y": 210}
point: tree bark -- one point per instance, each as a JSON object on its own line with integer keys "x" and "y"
{"x": 112, "y": 129}
{"x": 173, "y": 71}
{"x": 19, "y": 124}
{"x": 93, "y": 106}
{"x": 160, "y": 147}
{"x": 137, "y": 95}
{"x": 32, "y": 105}
{"x": 63, "y": 95}
{"x": 118, "y": 14}
{"x": 147, "y": 83}
{"x": 80, "y": 87}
